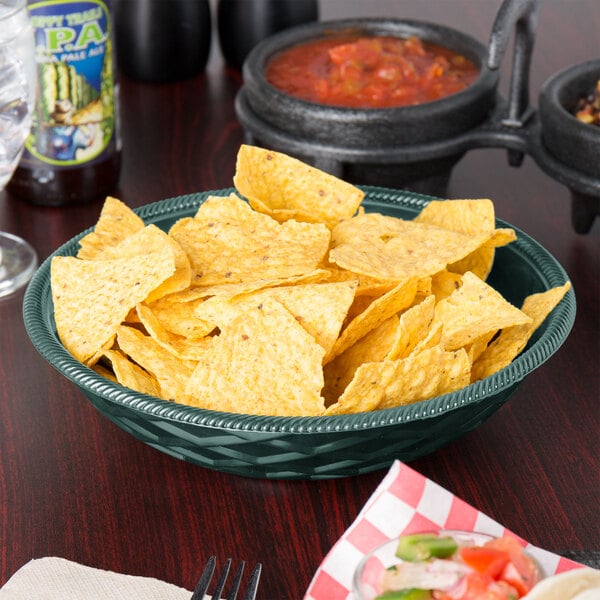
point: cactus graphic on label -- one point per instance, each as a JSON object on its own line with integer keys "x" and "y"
{"x": 74, "y": 121}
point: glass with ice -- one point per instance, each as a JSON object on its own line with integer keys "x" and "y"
{"x": 17, "y": 97}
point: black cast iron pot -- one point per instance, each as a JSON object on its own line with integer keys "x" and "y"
{"x": 414, "y": 147}
{"x": 574, "y": 144}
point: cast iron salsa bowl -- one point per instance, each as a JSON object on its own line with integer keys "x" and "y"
{"x": 371, "y": 135}
{"x": 573, "y": 142}
{"x": 311, "y": 447}
{"x": 570, "y": 148}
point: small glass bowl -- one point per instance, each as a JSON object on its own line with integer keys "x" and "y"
{"x": 366, "y": 582}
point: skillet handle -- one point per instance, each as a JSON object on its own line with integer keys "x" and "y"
{"x": 522, "y": 16}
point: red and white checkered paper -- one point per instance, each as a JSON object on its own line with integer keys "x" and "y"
{"x": 407, "y": 502}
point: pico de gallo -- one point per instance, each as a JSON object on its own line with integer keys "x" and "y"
{"x": 588, "y": 108}
{"x": 369, "y": 71}
{"x": 440, "y": 567}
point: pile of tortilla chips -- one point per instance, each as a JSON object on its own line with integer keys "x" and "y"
{"x": 294, "y": 301}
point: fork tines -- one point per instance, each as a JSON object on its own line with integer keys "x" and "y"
{"x": 206, "y": 577}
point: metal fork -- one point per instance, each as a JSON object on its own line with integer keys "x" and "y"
{"x": 206, "y": 577}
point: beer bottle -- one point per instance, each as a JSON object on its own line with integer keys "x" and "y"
{"x": 73, "y": 153}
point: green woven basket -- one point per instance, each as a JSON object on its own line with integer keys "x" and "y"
{"x": 312, "y": 447}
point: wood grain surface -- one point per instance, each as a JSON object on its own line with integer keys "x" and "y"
{"x": 73, "y": 484}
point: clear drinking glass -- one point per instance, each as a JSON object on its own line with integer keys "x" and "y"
{"x": 18, "y": 260}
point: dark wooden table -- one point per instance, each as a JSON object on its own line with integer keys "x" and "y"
{"x": 74, "y": 485}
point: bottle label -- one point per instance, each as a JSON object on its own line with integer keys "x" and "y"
{"x": 74, "y": 121}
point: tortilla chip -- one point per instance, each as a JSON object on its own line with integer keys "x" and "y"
{"x": 465, "y": 216}
{"x": 117, "y": 222}
{"x": 425, "y": 375}
{"x": 180, "y": 317}
{"x": 92, "y": 298}
{"x": 474, "y": 310}
{"x": 262, "y": 363}
{"x": 478, "y": 345}
{"x": 131, "y": 375}
{"x": 376, "y": 313}
{"x": 171, "y": 373}
{"x": 181, "y": 347}
{"x": 247, "y": 287}
{"x": 366, "y": 389}
{"x": 320, "y": 308}
{"x": 153, "y": 239}
{"x": 413, "y": 326}
{"x": 297, "y": 302}
{"x": 390, "y": 248}
{"x": 433, "y": 338}
{"x": 481, "y": 260}
{"x": 104, "y": 371}
{"x": 512, "y": 340}
{"x": 227, "y": 242}
{"x": 286, "y": 188}
{"x": 367, "y": 286}
{"x": 445, "y": 283}
{"x": 469, "y": 216}
{"x": 373, "y": 347}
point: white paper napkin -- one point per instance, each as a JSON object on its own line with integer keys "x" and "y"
{"x": 54, "y": 578}
{"x": 407, "y": 502}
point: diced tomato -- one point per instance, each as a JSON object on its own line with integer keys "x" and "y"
{"x": 524, "y": 572}
{"x": 351, "y": 72}
{"x": 389, "y": 72}
{"x": 513, "y": 577}
{"x": 485, "y": 560}
{"x": 366, "y": 51}
{"x": 342, "y": 53}
{"x": 415, "y": 46}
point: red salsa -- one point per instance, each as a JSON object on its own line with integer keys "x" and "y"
{"x": 369, "y": 72}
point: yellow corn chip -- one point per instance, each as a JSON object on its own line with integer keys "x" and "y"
{"x": 466, "y": 216}
{"x": 474, "y": 310}
{"x": 227, "y": 242}
{"x": 320, "y": 308}
{"x": 117, "y": 222}
{"x": 296, "y": 302}
{"x": 264, "y": 363}
{"x": 376, "y": 313}
{"x": 104, "y": 371}
{"x": 433, "y": 338}
{"x": 153, "y": 239}
{"x": 481, "y": 260}
{"x": 286, "y": 188}
{"x": 512, "y": 340}
{"x": 171, "y": 373}
{"x": 373, "y": 347}
{"x": 425, "y": 375}
{"x": 445, "y": 283}
{"x": 366, "y": 390}
{"x": 182, "y": 347}
{"x": 179, "y": 317}
{"x": 246, "y": 287}
{"x": 92, "y": 298}
{"x": 478, "y": 345}
{"x": 469, "y": 216}
{"x": 131, "y": 375}
{"x": 367, "y": 286}
{"x": 413, "y": 326}
{"x": 390, "y": 248}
